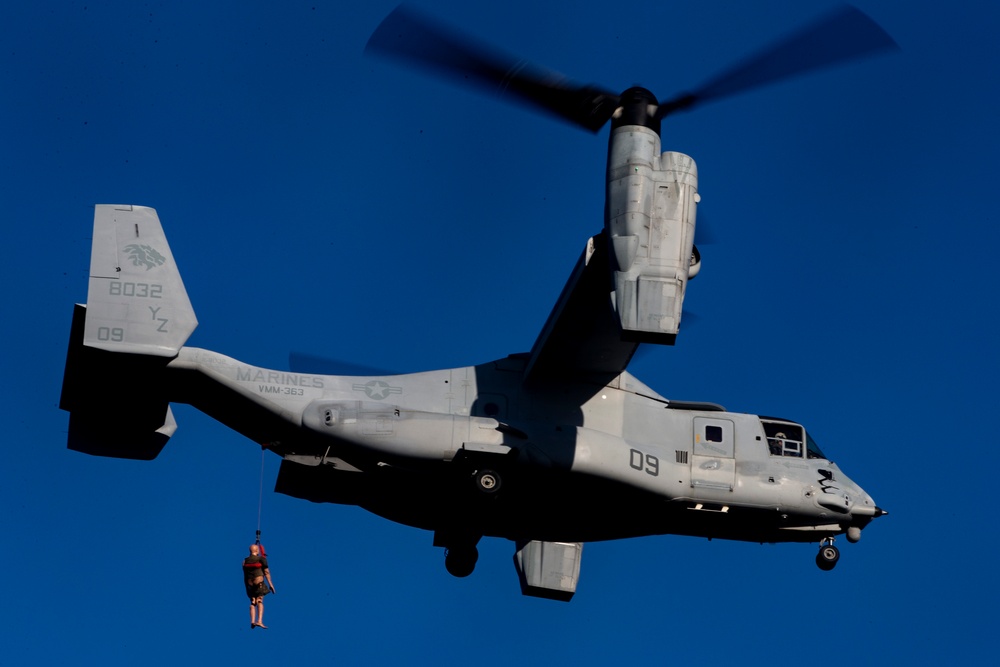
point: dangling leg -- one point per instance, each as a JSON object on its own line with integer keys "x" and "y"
{"x": 253, "y": 613}
{"x": 260, "y": 612}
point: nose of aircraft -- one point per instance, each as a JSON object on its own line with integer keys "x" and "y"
{"x": 863, "y": 512}
{"x": 865, "y": 506}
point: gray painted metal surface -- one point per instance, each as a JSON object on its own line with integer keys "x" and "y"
{"x": 549, "y": 570}
{"x": 136, "y": 301}
{"x": 548, "y": 449}
{"x": 652, "y": 202}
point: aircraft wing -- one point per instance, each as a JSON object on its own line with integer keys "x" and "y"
{"x": 582, "y": 337}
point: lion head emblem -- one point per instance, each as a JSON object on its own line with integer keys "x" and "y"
{"x": 144, "y": 255}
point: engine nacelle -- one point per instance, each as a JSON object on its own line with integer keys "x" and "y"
{"x": 651, "y": 205}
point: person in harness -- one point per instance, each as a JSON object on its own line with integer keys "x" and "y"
{"x": 255, "y": 572}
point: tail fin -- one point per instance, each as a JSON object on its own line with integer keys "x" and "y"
{"x": 137, "y": 318}
{"x": 136, "y": 301}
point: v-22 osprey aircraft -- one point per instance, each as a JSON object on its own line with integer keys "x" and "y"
{"x": 549, "y": 449}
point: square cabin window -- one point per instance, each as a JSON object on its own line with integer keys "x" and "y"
{"x": 713, "y": 434}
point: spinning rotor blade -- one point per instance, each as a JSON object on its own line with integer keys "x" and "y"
{"x": 404, "y": 34}
{"x": 844, "y": 35}
{"x": 408, "y": 36}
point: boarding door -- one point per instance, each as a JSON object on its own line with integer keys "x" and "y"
{"x": 713, "y": 465}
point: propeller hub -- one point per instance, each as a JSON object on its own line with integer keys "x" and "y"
{"x": 638, "y": 106}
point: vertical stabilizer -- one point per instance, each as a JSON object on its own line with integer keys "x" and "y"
{"x": 136, "y": 301}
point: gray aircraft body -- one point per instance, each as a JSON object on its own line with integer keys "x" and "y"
{"x": 549, "y": 449}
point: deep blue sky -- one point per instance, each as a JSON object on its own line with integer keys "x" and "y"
{"x": 320, "y": 201}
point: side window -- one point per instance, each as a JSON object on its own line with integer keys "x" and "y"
{"x": 714, "y": 437}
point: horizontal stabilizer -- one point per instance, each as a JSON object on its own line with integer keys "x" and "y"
{"x": 91, "y": 435}
{"x": 117, "y": 402}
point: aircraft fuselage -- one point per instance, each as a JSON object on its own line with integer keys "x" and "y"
{"x": 578, "y": 462}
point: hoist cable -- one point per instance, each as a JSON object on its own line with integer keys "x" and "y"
{"x": 260, "y": 497}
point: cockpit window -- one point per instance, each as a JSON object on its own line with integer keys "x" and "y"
{"x": 784, "y": 438}
{"x": 812, "y": 449}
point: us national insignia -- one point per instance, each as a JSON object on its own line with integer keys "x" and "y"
{"x": 377, "y": 389}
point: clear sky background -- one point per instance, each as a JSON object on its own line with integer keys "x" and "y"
{"x": 320, "y": 201}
